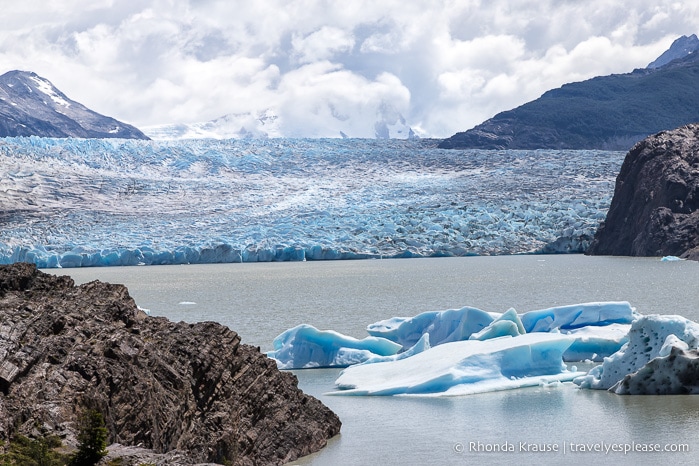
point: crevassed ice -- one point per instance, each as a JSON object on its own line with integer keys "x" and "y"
{"x": 103, "y": 202}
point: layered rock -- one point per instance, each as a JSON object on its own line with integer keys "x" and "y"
{"x": 189, "y": 390}
{"x": 655, "y": 208}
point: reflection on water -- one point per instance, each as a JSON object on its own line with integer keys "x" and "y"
{"x": 261, "y": 300}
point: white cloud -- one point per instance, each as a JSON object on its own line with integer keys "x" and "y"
{"x": 327, "y": 66}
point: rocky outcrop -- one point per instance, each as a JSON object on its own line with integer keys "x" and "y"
{"x": 655, "y": 208}
{"x": 189, "y": 390}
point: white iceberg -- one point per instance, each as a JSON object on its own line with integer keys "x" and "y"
{"x": 464, "y": 367}
{"x": 594, "y": 343}
{"x": 660, "y": 357}
{"x": 304, "y": 346}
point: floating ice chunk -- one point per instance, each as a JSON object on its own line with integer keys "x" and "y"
{"x": 442, "y": 326}
{"x": 578, "y": 315}
{"x": 594, "y": 343}
{"x": 423, "y": 344}
{"x": 671, "y": 259}
{"x": 464, "y": 367}
{"x": 649, "y": 338}
{"x": 508, "y": 324}
{"x": 304, "y": 346}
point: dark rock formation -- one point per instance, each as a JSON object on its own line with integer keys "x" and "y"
{"x": 607, "y": 112}
{"x": 189, "y": 390}
{"x": 31, "y": 106}
{"x": 655, "y": 208}
{"x": 674, "y": 374}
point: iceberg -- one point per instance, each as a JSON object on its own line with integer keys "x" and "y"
{"x": 442, "y": 326}
{"x": 464, "y": 367}
{"x": 508, "y": 324}
{"x": 594, "y": 343}
{"x": 599, "y": 328}
{"x": 304, "y": 347}
{"x": 577, "y": 316}
{"x": 659, "y": 358}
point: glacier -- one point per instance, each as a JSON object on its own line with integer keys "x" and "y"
{"x": 109, "y": 202}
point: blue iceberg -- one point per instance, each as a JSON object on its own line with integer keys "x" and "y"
{"x": 442, "y": 326}
{"x": 304, "y": 347}
{"x": 464, "y": 368}
{"x": 577, "y": 316}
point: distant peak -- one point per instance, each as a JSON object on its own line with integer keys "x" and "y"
{"x": 680, "y": 48}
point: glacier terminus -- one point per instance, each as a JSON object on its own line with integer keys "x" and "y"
{"x": 105, "y": 202}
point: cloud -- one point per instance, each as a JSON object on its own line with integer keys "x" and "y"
{"x": 326, "y": 67}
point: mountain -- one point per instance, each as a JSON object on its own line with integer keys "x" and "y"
{"x": 31, "y": 106}
{"x": 231, "y": 126}
{"x": 679, "y": 49}
{"x": 267, "y": 124}
{"x": 608, "y": 112}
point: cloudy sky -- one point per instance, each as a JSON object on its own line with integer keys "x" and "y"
{"x": 324, "y": 66}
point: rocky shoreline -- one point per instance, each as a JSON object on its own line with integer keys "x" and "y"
{"x": 181, "y": 393}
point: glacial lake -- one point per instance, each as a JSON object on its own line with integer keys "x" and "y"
{"x": 261, "y": 300}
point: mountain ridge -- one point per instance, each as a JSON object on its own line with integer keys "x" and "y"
{"x": 31, "y": 105}
{"x": 605, "y": 112}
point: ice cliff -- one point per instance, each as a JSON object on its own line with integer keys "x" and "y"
{"x": 98, "y": 202}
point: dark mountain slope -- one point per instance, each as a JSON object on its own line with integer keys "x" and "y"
{"x": 31, "y": 106}
{"x": 609, "y": 112}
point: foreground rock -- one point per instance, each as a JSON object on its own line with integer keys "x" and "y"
{"x": 189, "y": 390}
{"x": 655, "y": 208}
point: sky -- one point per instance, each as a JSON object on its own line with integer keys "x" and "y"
{"x": 323, "y": 66}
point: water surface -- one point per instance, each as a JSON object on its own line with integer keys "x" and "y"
{"x": 262, "y": 300}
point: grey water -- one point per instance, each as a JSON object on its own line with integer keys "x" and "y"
{"x": 261, "y": 300}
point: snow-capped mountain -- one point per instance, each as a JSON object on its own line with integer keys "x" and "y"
{"x": 680, "y": 48}
{"x": 232, "y": 126}
{"x": 268, "y": 124}
{"x": 31, "y": 106}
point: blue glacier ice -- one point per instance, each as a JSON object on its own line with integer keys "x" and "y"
{"x": 592, "y": 331}
{"x": 578, "y": 315}
{"x": 304, "y": 347}
{"x": 507, "y": 325}
{"x": 464, "y": 367}
{"x": 600, "y": 336}
{"x": 94, "y": 202}
{"x": 442, "y": 326}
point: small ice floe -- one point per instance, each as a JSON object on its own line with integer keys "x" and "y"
{"x": 671, "y": 259}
